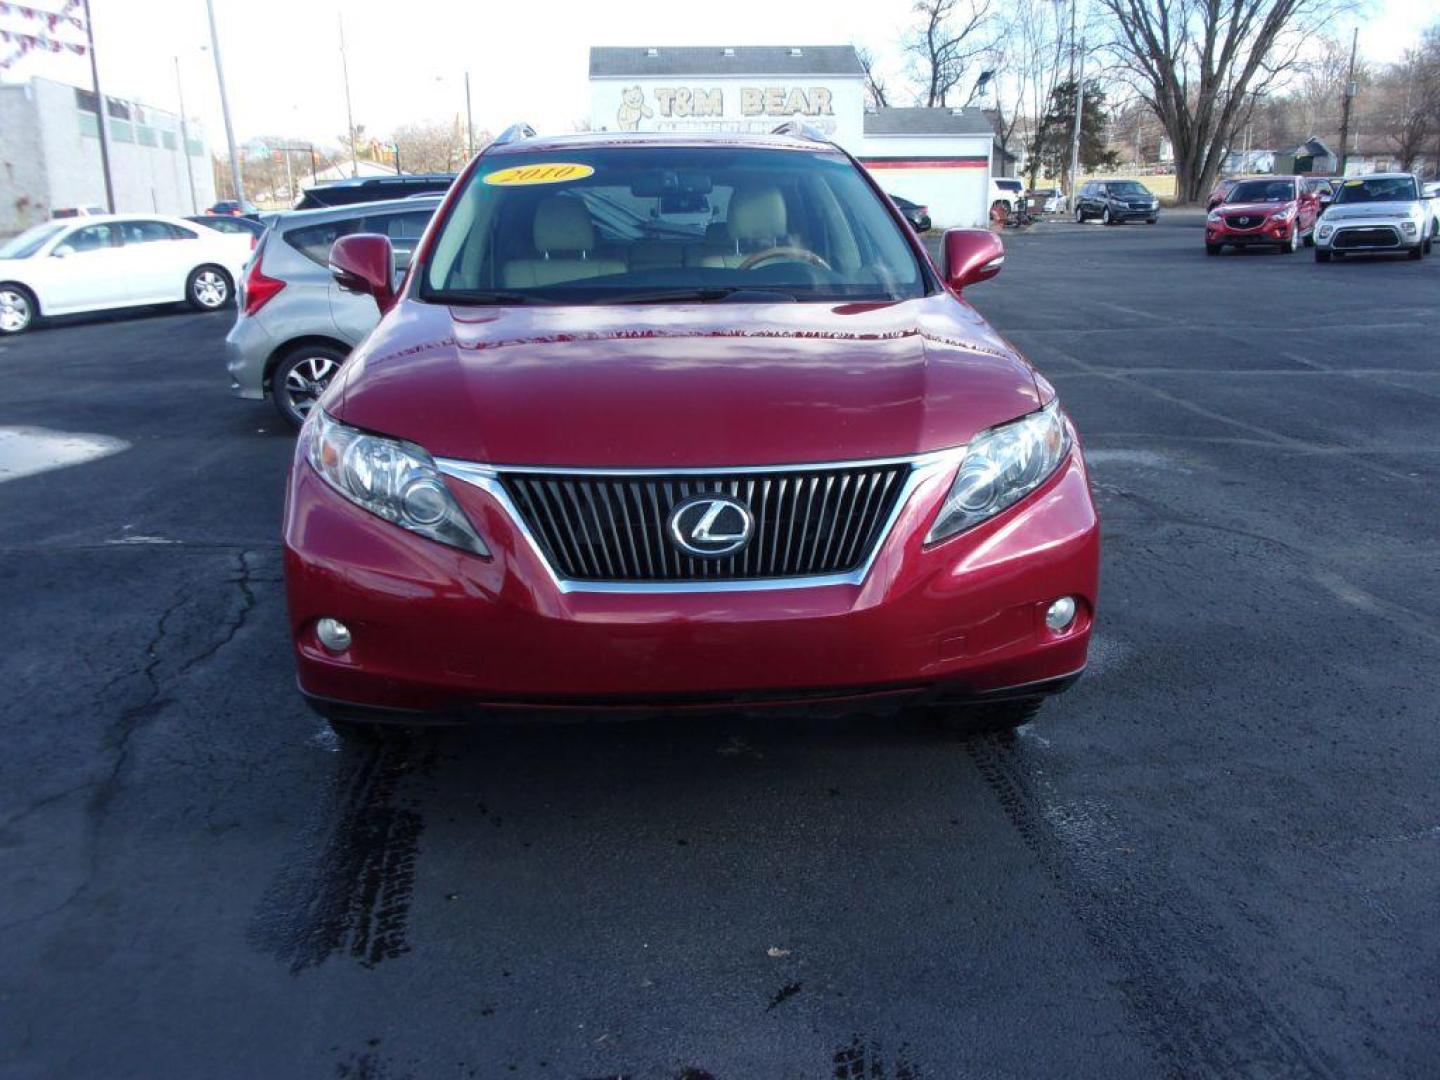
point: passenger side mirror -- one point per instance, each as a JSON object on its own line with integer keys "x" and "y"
{"x": 364, "y": 263}
{"x": 971, "y": 255}
{"x": 64, "y": 251}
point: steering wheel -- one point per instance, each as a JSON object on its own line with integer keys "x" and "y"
{"x": 783, "y": 254}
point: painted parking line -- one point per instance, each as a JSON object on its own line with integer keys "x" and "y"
{"x": 25, "y": 451}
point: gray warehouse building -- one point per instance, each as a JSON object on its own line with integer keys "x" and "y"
{"x": 50, "y": 155}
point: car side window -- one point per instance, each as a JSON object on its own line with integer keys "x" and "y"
{"x": 145, "y": 232}
{"x": 403, "y": 229}
{"x": 178, "y": 233}
{"x": 93, "y": 238}
{"x": 313, "y": 241}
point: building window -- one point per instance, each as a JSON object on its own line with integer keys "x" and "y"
{"x": 195, "y": 148}
{"x": 122, "y": 131}
{"x": 145, "y": 136}
{"x": 89, "y": 124}
{"x": 168, "y": 138}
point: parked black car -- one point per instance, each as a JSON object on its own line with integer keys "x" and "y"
{"x": 231, "y": 208}
{"x": 374, "y": 189}
{"x": 918, "y": 216}
{"x": 227, "y": 224}
{"x": 1114, "y": 201}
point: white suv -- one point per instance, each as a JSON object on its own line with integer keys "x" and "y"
{"x": 1005, "y": 193}
{"x": 1379, "y": 213}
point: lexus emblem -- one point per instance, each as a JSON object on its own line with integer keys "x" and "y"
{"x": 711, "y": 525}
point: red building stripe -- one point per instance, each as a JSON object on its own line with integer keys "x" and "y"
{"x": 926, "y": 163}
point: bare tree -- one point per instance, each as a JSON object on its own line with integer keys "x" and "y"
{"x": 877, "y": 95}
{"x": 435, "y": 147}
{"x": 948, "y": 36}
{"x": 1197, "y": 63}
{"x": 1408, "y": 93}
{"x": 1033, "y": 49}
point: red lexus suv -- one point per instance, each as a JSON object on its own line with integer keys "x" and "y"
{"x": 682, "y": 421}
{"x": 1273, "y": 211}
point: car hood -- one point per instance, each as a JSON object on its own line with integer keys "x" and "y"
{"x": 684, "y": 385}
{"x": 1257, "y": 209}
{"x": 1370, "y": 211}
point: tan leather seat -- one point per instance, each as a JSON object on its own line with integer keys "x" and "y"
{"x": 757, "y": 220}
{"x": 565, "y": 238}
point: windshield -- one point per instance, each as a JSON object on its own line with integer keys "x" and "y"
{"x": 629, "y": 224}
{"x": 1128, "y": 187}
{"x": 29, "y": 241}
{"x": 1272, "y": 191}
{"x": 1377, "y": 189}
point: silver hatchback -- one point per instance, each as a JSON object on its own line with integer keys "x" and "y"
{"x": 294, "y": 326}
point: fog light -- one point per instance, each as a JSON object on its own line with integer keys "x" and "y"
{"x": 335, "y": 635}
{"x": 1058, "y": 616}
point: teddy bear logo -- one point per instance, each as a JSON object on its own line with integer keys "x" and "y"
{"x": 632, "y": 109}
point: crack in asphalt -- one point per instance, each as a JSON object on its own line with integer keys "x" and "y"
{"x": 131, "y": 721}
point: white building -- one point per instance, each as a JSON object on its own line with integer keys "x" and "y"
{"x": 50, "y": 155}
{"x": 938, "y": 157}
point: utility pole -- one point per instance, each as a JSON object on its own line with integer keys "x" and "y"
{"x": 101, "y": 110}
{"x": 469, "y": 119}
{"x": 185, "y": 139}
{"x": 1079, "y": 110}
{"x": 1345, "y": 108}
{"x": 349, "y": 116}
{"x": 225, "y": 108}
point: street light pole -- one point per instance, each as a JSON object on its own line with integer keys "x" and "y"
{"x": 185, "y": 139}
{"x": 102, "y": 114}
{"x": 469, "y": 119}
{"x": 1079, "y": 112}
{"x": 349, "y": 115}
{"x": 225, "y": 108}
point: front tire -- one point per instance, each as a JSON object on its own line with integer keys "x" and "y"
{"x": 208, "y": 288}
{"x": 1105, "y": 218}
{"x": 1321, "y": 255}
{"x": 1214, "y": 249}
{"x": 1289, "y": 247}
{"x": 301, "y": 377}
{"x": 1416, "y": 253}
{"x": 18, "y": 309}
{"x": 1079, "y": 215}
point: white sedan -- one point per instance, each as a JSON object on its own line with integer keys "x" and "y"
{"x": 113, "y": 261}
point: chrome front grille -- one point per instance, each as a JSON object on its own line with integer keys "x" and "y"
{"x": 604, "y": 527}
{"x": 1245, "y": 221}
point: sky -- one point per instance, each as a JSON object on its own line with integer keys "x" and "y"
{"x": 527, "y": 60}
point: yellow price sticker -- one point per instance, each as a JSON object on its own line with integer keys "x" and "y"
{"x": 1353, "y": 183}
{"x": 557, "y": 172}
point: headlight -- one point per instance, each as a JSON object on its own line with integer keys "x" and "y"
{"x": 1283, "y": 215}
{"x": 1214, "y": 215}
{"x": 1001, "y": 466}
{"x": 1326, "y": 230}
{"x": 1408, "y": 226}
{"x": 394, "y": 480}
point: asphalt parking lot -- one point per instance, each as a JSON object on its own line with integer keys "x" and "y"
{"x": 1218, "y": 856}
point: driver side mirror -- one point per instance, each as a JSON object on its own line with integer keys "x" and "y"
{"x": 63, "y": 251}
{"x": 970, "y": 256}
{"x": 364, "y": 263}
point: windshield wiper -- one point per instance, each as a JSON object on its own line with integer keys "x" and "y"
{"x": 738, "y": 293}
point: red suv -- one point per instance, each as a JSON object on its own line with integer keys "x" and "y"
{"x": 677, "y": 421}
{"x": 1274, "y": 211}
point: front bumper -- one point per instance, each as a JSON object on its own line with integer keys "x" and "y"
{"x": 1369, "y": 236}
{"x": 1117, "y": 214}
{"x": 436, "y": 630}
{"x": 1267, "y": 235}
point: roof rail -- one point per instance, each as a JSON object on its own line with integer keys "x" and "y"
{"x": 801, "y": 130}
{"x": 514, "y": 133}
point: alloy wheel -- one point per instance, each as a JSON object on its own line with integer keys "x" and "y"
{"x": 15, "y": 311}
{"x": 307, "y": 380}
{"x": 211, "y": 289}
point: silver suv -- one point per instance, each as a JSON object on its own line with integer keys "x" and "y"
{"x": 294, "y": 325}
{"x": 1375, "y": 214}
